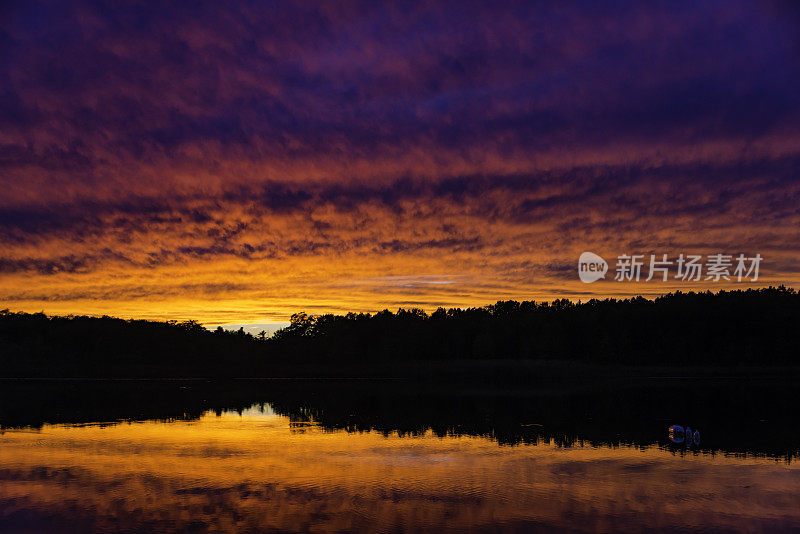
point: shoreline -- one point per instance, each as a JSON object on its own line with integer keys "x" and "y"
{"x": 421, "y": 370}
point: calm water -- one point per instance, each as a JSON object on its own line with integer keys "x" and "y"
{"x": 355, "y": 457}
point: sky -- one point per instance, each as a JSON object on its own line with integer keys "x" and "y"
{"x": 236, "y": 162}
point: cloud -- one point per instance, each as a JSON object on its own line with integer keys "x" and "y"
{"x": 287, "y": 148}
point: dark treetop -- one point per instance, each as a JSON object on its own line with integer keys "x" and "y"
{"x": 756, "y": 327}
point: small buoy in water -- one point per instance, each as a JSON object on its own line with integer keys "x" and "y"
{"x": 676, "y": 434}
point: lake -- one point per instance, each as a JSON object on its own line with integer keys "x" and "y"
{"x": 340, "y": 456}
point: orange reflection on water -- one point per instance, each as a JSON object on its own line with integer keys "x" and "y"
{"x": 258, "y": 472}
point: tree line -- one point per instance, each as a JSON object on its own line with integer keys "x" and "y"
{"x": 742, "y": 327}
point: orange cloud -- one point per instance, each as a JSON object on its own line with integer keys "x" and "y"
{"x": 235, "y": 165}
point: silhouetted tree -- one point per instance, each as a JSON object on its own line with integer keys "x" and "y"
{"x": 743, "y": 327}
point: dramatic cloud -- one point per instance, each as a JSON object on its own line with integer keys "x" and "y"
{"x": 238, "y": 162}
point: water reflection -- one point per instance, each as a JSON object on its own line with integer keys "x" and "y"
{"x": 737, "y": 417}
{"x": 334, "y": 456}
{"x": 259, "y": 471}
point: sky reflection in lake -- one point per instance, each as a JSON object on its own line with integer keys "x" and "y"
{"x": 260, "y": 472}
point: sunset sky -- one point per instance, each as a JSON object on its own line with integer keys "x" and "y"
{"x": 235, "y": 162}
